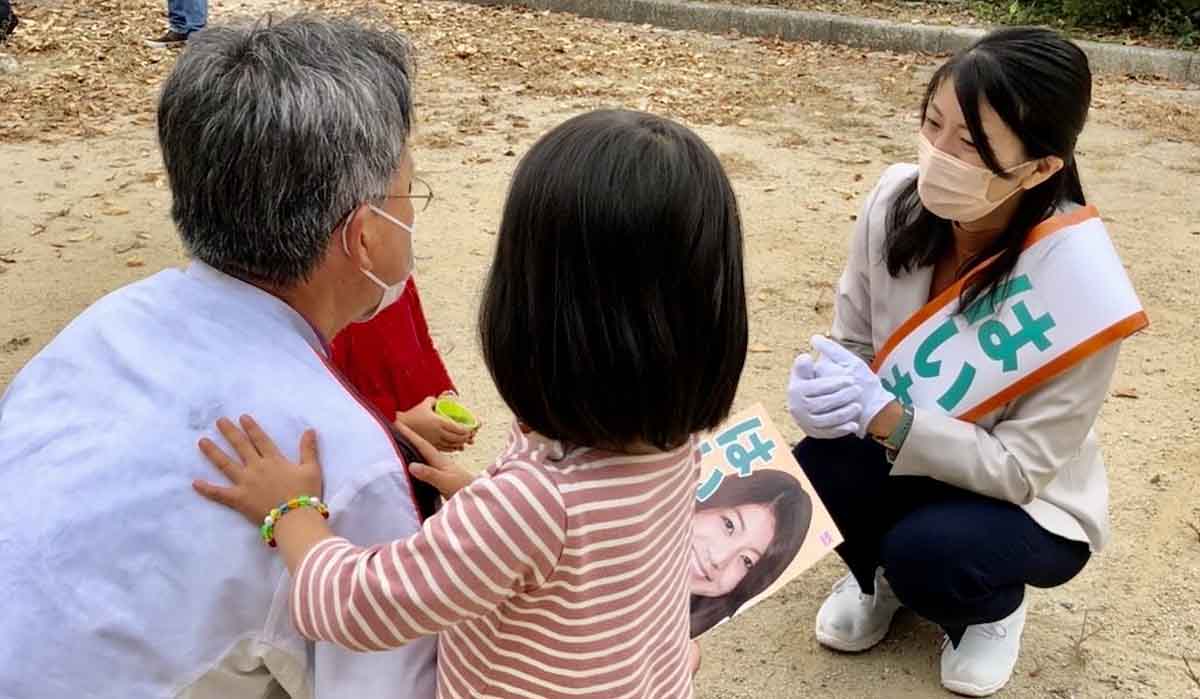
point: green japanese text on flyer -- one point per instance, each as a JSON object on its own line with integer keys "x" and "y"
{"x": 758, "y": 524}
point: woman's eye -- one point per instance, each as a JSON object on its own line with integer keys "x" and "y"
{"x": 728, "y": 524}
{"x": 747, "y": 562}
{"x": 968, "y": 144}
{"x": 932, "y": 124}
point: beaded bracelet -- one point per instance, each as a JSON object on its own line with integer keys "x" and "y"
{"x": 268, "y": 526}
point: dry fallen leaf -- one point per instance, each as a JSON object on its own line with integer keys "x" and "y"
{"x": 15, "y": 343}
{"x": 128, "y": 247}
{"x": 1126, "y": 393}
{"x": 80, "y": 238}
{"x": 759, "y": 348}
{"x": 135, "y": 262}
{"x": 114, "y": 211}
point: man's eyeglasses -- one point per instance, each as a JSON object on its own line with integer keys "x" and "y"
{"x": 418, "y": 191}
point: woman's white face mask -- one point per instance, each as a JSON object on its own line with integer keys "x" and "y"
{"x": 958, "y": 191}
{"x": 391, "y": 292}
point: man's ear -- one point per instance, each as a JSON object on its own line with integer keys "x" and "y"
{"x": 354, "y": 238}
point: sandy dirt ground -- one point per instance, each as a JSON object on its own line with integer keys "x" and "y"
{"x": 804, "y": 130}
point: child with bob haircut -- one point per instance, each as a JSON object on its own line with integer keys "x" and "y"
{"x": 614, "y": 324}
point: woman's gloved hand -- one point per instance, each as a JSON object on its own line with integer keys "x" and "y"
{"x": 838, "y": 362}
{"x": 824, "y": 406}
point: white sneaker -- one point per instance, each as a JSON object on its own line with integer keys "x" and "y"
{"x": 984, "y": 660}
{"x": 851, "y": 621}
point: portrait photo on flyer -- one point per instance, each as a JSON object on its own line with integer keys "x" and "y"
{"x": 758, "y": 523}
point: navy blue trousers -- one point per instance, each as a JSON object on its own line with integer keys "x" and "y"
{"x": 952, "y": 556}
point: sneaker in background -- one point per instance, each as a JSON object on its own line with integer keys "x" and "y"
{"x": 172, "y": 39}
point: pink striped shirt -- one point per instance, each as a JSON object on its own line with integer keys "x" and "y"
{"x": 559, "y": 573}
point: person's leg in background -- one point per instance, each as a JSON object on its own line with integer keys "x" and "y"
{"x": 185, "y": 18}
{"x": 8, "y": 20}
{"x": 963, "y": 563}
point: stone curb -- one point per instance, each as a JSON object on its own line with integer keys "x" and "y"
{"x": 878, "y": 34}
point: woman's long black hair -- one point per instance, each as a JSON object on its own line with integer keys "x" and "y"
{"x": 1040, "y": 85}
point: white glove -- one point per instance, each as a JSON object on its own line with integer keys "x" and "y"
{"x": 825, "y": 407}
{"x": 838, "y": 361}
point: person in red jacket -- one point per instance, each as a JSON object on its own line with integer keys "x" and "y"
{"x": 392, "y": 362}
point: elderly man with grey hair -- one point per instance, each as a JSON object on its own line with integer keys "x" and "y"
{"x": 287, "y": 150}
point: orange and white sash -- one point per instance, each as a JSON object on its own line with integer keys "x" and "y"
{"x": 1067, "y": 298}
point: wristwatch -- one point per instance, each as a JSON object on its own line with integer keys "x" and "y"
{"x": 894, "y": 441}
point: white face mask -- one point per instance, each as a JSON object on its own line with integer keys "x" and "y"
{"x": 391, "y": 292}
{"x": 958, "y": 191}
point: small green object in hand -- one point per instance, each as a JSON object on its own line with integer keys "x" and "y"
{"x": 453, "y": 410}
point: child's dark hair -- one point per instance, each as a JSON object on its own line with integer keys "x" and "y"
{"x": 1040, "y": 85}
{"x": 615, "y": 310}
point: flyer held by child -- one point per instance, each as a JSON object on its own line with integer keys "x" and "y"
{"x": 758, "y": 524}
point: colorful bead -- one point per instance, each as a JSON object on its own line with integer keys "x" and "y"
{"x": 267, "y": 530}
